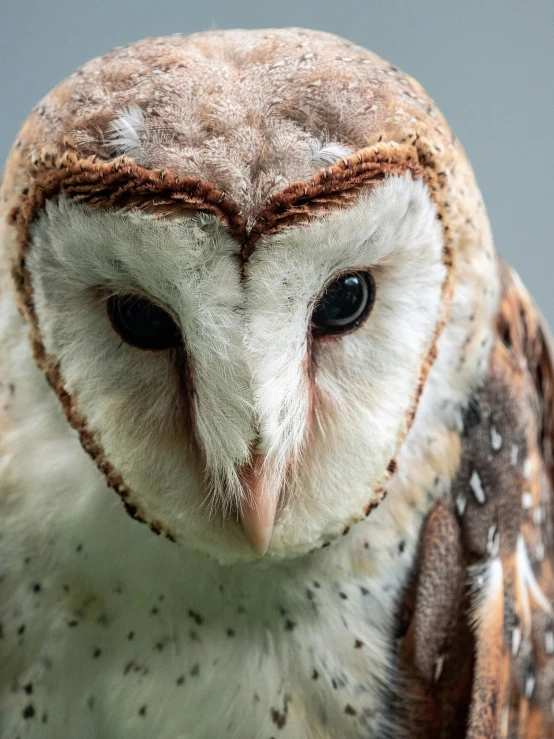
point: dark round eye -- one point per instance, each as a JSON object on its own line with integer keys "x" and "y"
{"x": 142, "y": 323}
{"x": 345, "y": 304}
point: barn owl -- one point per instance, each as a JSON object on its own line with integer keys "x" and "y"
{"x": 277, "y": 423}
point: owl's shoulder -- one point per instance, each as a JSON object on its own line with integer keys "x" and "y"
{"x": 531, "y": 350}
{"x": 478, "y": 624}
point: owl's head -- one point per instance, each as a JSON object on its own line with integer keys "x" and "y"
{"x": 235, "y": 251}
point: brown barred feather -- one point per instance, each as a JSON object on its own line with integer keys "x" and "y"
{"x": 484, "y": 594}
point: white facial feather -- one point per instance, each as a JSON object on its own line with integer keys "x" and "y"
{"x": 130, "y": 397}
{"x": 247, "y": 347}
{"x": 365, "y": 380}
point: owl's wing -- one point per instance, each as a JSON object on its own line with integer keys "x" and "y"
{"x": 477, "y": 644}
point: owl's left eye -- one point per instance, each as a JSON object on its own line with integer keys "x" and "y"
{"x": 344, "y": 304}
{"x": 141, "y": 323}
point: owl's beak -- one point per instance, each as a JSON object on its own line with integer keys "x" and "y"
{"x": 259, "y": 504}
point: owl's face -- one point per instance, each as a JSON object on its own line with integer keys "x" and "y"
{"x": 247, "y": 402}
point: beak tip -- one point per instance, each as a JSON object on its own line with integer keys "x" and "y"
{"x": 257, "y": 511}
{"x": 259, "y": 539}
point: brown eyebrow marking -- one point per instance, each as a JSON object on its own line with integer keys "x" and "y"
{"x": 334, "y": 187}
{"x": 124, "y": 185}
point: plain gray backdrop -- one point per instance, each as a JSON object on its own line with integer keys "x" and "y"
{"x": 489, "y": 65}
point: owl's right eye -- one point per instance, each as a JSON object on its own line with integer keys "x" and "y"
{"x": 142, "y": 324}
{"x": 344, "y": 305}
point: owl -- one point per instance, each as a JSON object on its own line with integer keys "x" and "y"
{"x": 277, "y": 424}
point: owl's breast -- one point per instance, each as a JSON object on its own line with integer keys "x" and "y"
{"x": 101, "y": 637}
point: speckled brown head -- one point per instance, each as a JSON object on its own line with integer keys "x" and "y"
{"x": 230, "y": 184}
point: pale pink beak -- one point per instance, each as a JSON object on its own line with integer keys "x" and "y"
{"x": 258, "y": 507}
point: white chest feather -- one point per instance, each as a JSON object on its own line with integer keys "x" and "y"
{"x": 109, "y": 631}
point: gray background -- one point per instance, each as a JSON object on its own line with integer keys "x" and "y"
{"x": 488, "y": 64}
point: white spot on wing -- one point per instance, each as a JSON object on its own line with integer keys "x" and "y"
{"x": 529, "y": 686}
{"x": 461, "y": 503}
{"x": 493, "y": 540}
{"x": 527, "y": 468}
{"x": 516, "y": 641}
{"x": 439, "y": 664}
{"x": 477, "y": 487}
{"x": 539, "y": 516}
{"x": 526, "y": 500}
{"x": 496, "y": 439}
{"x": 529, "y": 579}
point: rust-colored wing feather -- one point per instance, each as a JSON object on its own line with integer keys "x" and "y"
{"x": 477, "y": 652}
